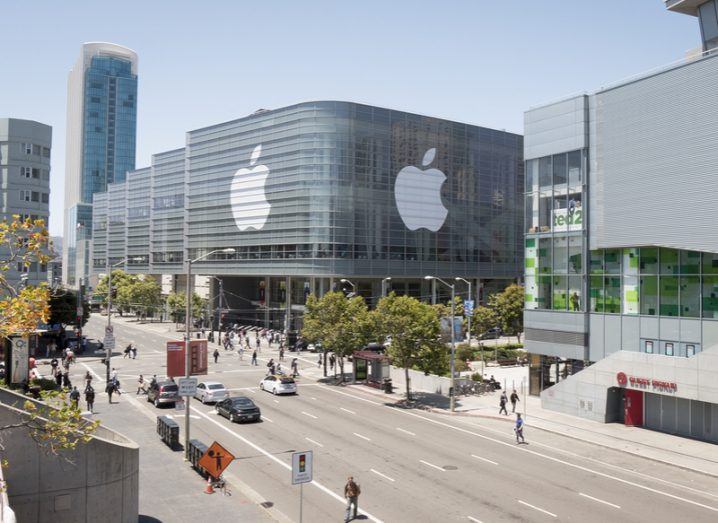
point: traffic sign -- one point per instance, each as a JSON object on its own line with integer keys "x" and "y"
{"x": 215, "y": 460}
{"x": 469, "y": 307}
{"x": 302, "y": 467}
{"x": 187, "y": 386}
{"x": 109, "y": 330}
{"x": 109, "y": 342}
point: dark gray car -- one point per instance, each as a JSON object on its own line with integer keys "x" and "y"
{"x": 163, "y": 393}
{"x": 238, "y": 409}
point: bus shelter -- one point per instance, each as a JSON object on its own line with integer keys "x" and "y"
{"x": 372, "y": 369}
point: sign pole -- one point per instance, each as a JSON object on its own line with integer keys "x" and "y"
{"x": 301, "y": 496}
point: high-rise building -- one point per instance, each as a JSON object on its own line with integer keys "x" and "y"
{"x": 25, "y": 177}
{"x": 101, "y": 136}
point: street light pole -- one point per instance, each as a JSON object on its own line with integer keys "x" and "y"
{"x": 344, "y": 280}
{"x": 472, "y": 312}
{"x": 187, "y": 319}
{"x": 452, "y": 286}
{"x": 383, "y": 286}
{"x": 108, "y": 350}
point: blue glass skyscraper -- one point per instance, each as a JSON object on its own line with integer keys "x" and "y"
{"x": 101, "y": 138}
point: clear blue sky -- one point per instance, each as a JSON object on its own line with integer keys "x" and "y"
{"x": 479, "y": 61}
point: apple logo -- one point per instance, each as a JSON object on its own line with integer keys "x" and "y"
{"x": 418, "y": 195}
{"x": 247, "y": 197}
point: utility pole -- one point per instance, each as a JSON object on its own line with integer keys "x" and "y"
{"x": 452, "y": 391}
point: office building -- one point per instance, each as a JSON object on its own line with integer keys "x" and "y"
{"x": 316, "y": 192}
{"x": 101, "y": 135}
{"x": 25, "y": 148}
{"x": 621, "y": 248}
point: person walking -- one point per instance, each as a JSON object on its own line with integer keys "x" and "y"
{"x": 351, "y": 493}
{"x": 240, "y": 351}
{"x": 113, "y": 376}
{"x": 257, "y": 343}
{"x": 75, "y": 398}
{"x": 127, "y": 350}
{"x": 140, "y": 384}
{"x": 270, "y": 366}
{"x": 110, "y": 390}
{"x": 332, "y": 361}
{"x": 134, "y": 351}
{"x": 319, "y": 361}
{"x": 514, "y": 399}
{"x": 295, "y": 368}
{"x": 88, "y": 379}
{"x": 90, "y": 398}
{"x": 215, "y": 354}
{"x": 281, "y": 353}
{"x": 66, "y": 380}
{"x": 519, "y": 429}
{"x": 502, "y": 403}
{"x": 58, "y": 377}
{"x": 254, "y": 358}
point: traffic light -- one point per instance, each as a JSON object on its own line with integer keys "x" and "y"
{"x": 302, "y": 463}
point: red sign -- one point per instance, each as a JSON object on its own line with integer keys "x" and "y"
{"x": 638, "y": 382}
{"x": 197, "y": 358}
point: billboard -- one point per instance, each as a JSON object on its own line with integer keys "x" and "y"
{"x": 445, "y": 324}
{"x": 197, "y": 358}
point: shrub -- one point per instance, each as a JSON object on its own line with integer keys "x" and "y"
{"x": 476, "y": 377}
{"x": 464, "y": 352}
{"x": 44, "y": 384}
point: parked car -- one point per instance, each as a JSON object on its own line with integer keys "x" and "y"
{"x": 163, "y": 393}
{"x": 279, "y": 384}
{"x": 491, "y": 334}
{"x": 211, "y": 392}
{"x": 237, "y": 409}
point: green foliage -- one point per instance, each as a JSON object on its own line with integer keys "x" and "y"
{"x": 509, "y": 308}
{"x": 177, "y": 305}
{"x": 63, "y": 308}
{"x": 44, "y": 383}
{"x": 484, "y": 319}
{"x": 120, "y": 281}
{"x": 464, "y": 352}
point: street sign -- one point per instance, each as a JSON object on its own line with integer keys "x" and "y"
{"x": 187, "y": 386}
{"x": 109, "y": 330}
{"x": 179, "y": 405}
{"x": 468, "y": 307}
{"x": 302, "y": 467}
{"x": 215, "y": 460}
{"x": 109, "y": 342}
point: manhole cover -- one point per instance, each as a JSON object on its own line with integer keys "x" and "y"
{"x": 450, "y": 467}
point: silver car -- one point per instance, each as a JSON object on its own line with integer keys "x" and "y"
{"x": 211, "y": 392}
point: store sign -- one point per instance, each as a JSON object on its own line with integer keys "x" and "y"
{"x": 643, "y": 383}
{"x": 568, "y": 219}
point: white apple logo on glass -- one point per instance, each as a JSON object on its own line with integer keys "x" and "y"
{"x": 418, "y": 195}
{"x": 247, "y": 196}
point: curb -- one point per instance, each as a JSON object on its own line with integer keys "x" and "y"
{"x": 602, "y": 445}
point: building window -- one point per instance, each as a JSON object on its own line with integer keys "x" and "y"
{"x": 36, "y": 150}
{"x": 649, "y": 347}
{"x": 690, "y": 351}
{"x": 45, "y": 198}
{"x": 669, "y": 349}
{"x": 26, "y": 172}
{"x": 46, "y": 152}
{"x": 25, "y": 195}
{"x": 36, "y": 173}
{"x": 27, "y": 147}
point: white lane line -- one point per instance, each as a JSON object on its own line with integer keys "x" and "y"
{"x": 276, "y": 401}
{"x": 281, "y": 463}
{"x": 327, "y": 387}
{"x": 310, "y": 440}
{"x": 310, "y": 415}
{"x": 382, "y": 475}
{"x": 539, "y": 509}
{"x": 265, "y": 418}
{"x": 557, "y": 460}
{"x": 484, "y": 459}
{"x": 360, "y": 436}
{"x": 431, "y": 465}
{"x": 598, "y": 500}
{"x": 405, "y": 431}
{"x": 315, "y": 399}
{"x": 473, "y": 519}
{"x": 347, "y": 410}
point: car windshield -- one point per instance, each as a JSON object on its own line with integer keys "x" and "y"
{"x": 215, "y": 386}
{"x": 242, "y": 402}
{"x": 169, "y": 388}
{"x": 287, "y": 380}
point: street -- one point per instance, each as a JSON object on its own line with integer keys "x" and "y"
{"x": 412, "y": 465}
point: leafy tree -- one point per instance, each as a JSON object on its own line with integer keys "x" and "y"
{"x": 176, "y": 304}
{"x": 63, "y": 308}
{"x": 414, "y": 330}
{"x": 509, "y": 308}
{"x": 22, "y": 306}
{"x": 120, "y": 282}
{"x": 341, "y": 324}
{"x": 485, "y": 318}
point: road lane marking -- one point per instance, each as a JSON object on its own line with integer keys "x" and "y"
{"x": 405, "y": 431}
{"x": 265, "y": 418}
{"x": 537, "y": 508}
{"x": 327, "y": 387}
{"x": 281, "y": 463}
{"x": 557, "y": 460}
{"x": 276, "y": 401}
{"x": 432, "y": 465}
{"x": 347, "y": 410}
{"x": 484, "y": 459}
{"x": 310, "y": 440}
{"x": 360, "y": 436}
{"x": 473, "y": 519}
{"x": 598, "y": 500}
{"x": 315, "y": 399}
{"x": 310, "y": 415}
{"x": 382, "y": 475}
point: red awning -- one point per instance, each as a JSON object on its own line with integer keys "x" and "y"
{"x": 369, "y": 355}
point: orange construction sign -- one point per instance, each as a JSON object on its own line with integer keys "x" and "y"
{"x": 215, "y": 460}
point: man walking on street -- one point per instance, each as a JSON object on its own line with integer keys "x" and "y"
{"x": 90, "y": 398}
{"x": 75, "y": 398}
{"x": 216, "y": 355}
{"x": 295, "y": 368}
{"x": 351, "y": 493}
{"x": 254, "y": 358}
{"x": 519, "y": 429}
{"x": 514, "y": 399}
{"x": 502, "y": 403}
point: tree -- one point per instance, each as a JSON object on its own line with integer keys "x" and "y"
{"x": 142, "y": 296}
{"x": 509, "y": 308}
{"x": 414, "y": 330}
{"x": 63, "y": 308}
{"x": 484, "y": 319}
{"x": 22, "y": 307}
{"x": 120, "y": 282}
{"x": 341, "y": 324}
{"x": 176, "y": 304}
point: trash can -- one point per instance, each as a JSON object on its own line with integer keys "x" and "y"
{"x": 387, "y": 386}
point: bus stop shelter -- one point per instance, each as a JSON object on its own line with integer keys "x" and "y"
{"x": 372, "y": 369}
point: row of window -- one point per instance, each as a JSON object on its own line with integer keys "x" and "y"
{"x": 556, "y": 170}
{"x": 27, "y": 195}
{"x": 35, "y": 173}
{"x": 32, "y": 268}
{"x": 37, "y": 150}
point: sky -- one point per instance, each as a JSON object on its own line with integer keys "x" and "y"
{"x": 482, "y": 62}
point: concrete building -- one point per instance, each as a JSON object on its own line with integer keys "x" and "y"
{"x": 316, "y": 192}
{"x": 25, "y": 148}
{"x": 101, "y": 136}
{"x": 622, "y": 248}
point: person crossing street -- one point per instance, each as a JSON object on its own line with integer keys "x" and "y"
{"x": 502, "y": 403}
{"x": 351, "y": 493}
{"x": 519, "y": 429}
{"x": 514, "y": 400}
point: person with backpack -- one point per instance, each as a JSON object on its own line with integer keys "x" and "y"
{"x": 295, "y": 368}
{"x": 215, "y": 354}
{"x": 75, "y": 398}
{"x": 90, "y": 398}
{"x": 351, "y": 493}
{"x": 502, "y": 403}
{"x": 254, "y": 358}
{"x": 514, "y": 400}
{"x": 519, "y": 429}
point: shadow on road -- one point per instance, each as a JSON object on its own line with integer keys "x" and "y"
{"x": 147, "y": 519}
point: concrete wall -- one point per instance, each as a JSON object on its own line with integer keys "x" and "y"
{"x": 99, "y": 481}
{"x": 419, "y": 382}
{"x": 556, "y": 128}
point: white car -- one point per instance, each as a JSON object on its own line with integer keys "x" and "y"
{"x": 279, "y": 384}
{"x": 211, "y": 392}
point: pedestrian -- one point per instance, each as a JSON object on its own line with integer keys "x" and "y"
{"x": 514, "y": 399}
{"x": 254, "y": 358}
{"x": 88, "y": 379}
{"x": 257, "y": 342}
{"x": 519, "y": 429}
{"x": 90, "y": 398}
{"x": 58, "y": 377}
{"x": 281, "y": 353}
{"x": 134, "y": 351}
{"x": 53, "y": 364}
{"x": 127, "y": 350}
{"x": 351, "y": 493}
{"x": 319, "y": 361}
{"x": 215, "y": 354}
{"x": 110, "y": 389}
{"x": 332, "y": 361}
{"x": 140, "y": 384}
{"x": 240, "y": 351}
{"x": 66, "y": 380}
{"x": 270, "y": 366}
{"x": 113, "y": 375}
{"x": 295, "y": 368}
{"x": 75, "y": 398}
{"x": 502, "y": 403}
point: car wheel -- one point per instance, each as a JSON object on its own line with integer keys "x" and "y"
{"x": 261, "y": 386}
{"x": 157, "y": 403}
{"x": 204, "y": 400}
{"x": 233, "y": 418}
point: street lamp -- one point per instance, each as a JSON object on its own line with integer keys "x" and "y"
{"x": 108, "y": 350}
{"x": 383, "y": 285}
{"x": 188, "y": 313}
{"x": 344, "y": 280}
{"x": 452, "y": 286}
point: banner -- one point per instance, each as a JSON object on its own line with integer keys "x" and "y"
{"x": 197, "y": 358}
{"x": 20, "y": 359}
{"x": 445, "y": 324}
{"x": 568, "y": 219}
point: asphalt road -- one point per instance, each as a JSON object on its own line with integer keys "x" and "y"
{"x": 412, "y": 465}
